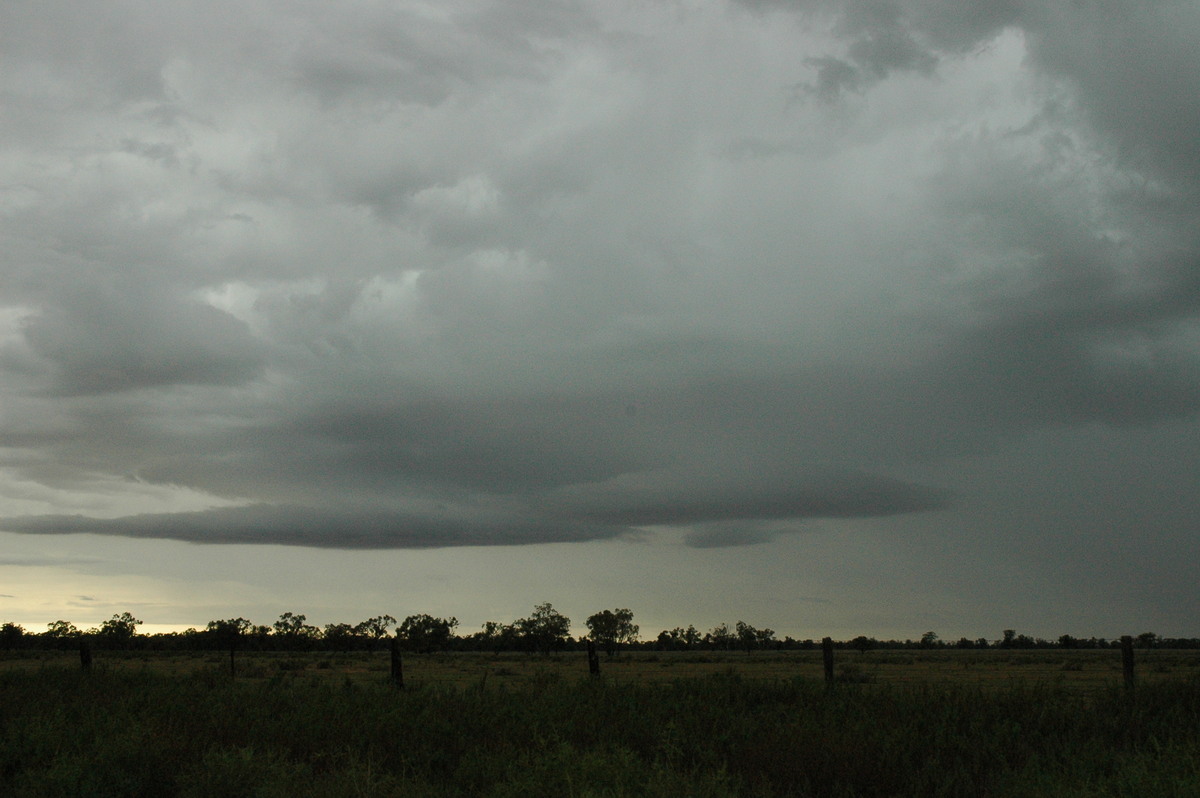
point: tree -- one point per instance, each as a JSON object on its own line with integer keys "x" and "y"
{"x": 62, "y": 629}
{"x": 12, "y": 635}
{"x": 545, "y": 630}
{"x": 1147, "y": 640}
{"x": 610, "y": 628}
{"x": 751, "y": 638}
{"x": 863, "y": 643}
{"x": 375, "y": 629}
{"x": 340, "y": 636}
{"x": 495, "y": 636}
{"x": 60, "y": 634}
{"x": 292, "y": 629}
{"x": 930, "y": 640}
{"x": 119, "y": 629}
{"x": 228, "y": 632}
{"x": 425, "y": 633}
{"x": 720, "y": 637}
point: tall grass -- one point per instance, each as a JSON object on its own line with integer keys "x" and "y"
{"x": 124, "y": 733}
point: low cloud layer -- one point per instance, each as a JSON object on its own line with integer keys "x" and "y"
{"x": 489, "y": 275}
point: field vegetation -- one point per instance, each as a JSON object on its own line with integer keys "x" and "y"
{"x": 412, "y": 708}
{"x": 997, "y": 723}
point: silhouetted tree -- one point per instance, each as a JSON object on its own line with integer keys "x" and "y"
{"x": 720, "y": 638}
{"x": 426, "y": 633}
{"x": 610, "y": 628}
{"x": 118, "y": 631}
{"x": 292, "y": 630}
{"x": 495, "y": 636}
{"x": 227, "y": 633}
{"x": 340, "y": 636}
{"x": 862, "y": 643}
{"x": 751, "y": 638}
{"x": 11, "y": 636}
{"x": 375, "y": 629}
{"x": 545, "y": 630}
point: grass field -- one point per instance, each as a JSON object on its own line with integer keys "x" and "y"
{"x": 996, "y": 723}
{"x": 1074, "y": 669}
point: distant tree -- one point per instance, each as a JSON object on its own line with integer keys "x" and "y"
{"x": 60, "y": 634}
{"x": 1009, "y": 640}
{"x": 11, "y": 636}
{"x": 232, "y": 626}
{"x": 929, "y": 640}
{"x": 292, "y": 630}
{"x": 750, "y": 638}
{"x": 425, "y": 633}
{"x": 227, "y": 633}
{"x": 545, "y": 630}
{"x": 375, "y": 629}
{"x": 119, "y": 630}
{"x": 982, "y": 643}
{"x": 62, "y": 629}
{"x": 720, "y": 638}
{"x": 863, "y": 644}
{"x": 1147, "y": 640}
{"x": 610, "y": 628}
{"x": 340, "y": 636}
{"x": 495, "y": 636}
{"x": 1066, "y": 641}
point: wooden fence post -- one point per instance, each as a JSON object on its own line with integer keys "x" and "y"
{"x": 397, "y": 666}
{"x": 593, "y": 659}
{"x": 1127, "y": 660}
{"x": 827, "y": 652}
{"x": 85, "y": 655}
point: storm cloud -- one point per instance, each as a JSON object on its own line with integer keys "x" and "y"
{"x": 488, "y": 275}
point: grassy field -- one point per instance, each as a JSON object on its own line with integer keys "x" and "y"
{"x": 1074, "y": 669}
{"x": 900, "y": 723}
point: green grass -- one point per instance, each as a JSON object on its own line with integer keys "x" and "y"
{"x": 1083, "y": 670}
{"x": 143, "y": 729}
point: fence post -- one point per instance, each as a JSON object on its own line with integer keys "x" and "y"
{"x": 827, "y": 652}
{"x": 593, "y": 659}
{"x": 397, "y": 666}
{"x": 85, "y": 655}
{"x": 1127, "y": 660}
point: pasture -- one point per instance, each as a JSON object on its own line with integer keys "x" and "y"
{"x": 996, "y": 723}
{"x": 1086, "y": 670}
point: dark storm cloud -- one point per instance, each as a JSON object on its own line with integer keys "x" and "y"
{"x": 504, "y": 274}
{"x": 714, "y": 512}
{"x": 100, "y": 343}
{"x": 319, "y": 527}
{"x": 685, "y": 498}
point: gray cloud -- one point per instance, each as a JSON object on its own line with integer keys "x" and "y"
{"x": 98, "y": 343}
{"x": 514, "y": 275}
{"x": 318, "y": 527}
{"x": 703, "y": 504}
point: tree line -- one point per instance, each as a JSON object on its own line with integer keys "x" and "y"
{"x": 545, "y": 630}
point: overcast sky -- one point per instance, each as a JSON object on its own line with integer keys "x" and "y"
{"x": 868, "y": 317}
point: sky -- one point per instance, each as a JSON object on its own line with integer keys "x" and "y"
{"x": 871, "y": 317}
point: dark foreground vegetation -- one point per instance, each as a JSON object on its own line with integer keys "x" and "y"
{"x": 147, "y": 729}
